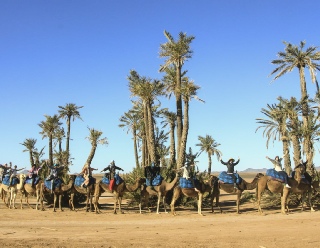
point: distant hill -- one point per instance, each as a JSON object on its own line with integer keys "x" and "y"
{"x": 251, "y": 170}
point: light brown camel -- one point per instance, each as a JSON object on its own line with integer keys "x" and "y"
{"x": 299, "y": 186}
{"x": 275, "y": 186}
{"x": 229, "y": 188}
{"x": 12, "y": 192}
{"x": 57, "y": 192}
{"x": 88, "y": 191}
{"x": 160, "y": 191}
{"x": 191, "y": 192}
{"x": 30, "y": 190}
{"x": 118, "y": 192}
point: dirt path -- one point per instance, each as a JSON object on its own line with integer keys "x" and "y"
{"x": 31, "y": 228}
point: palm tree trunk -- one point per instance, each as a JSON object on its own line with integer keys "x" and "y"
{"x": 287, "y": 162}
{"x": 210, "y": 163}
{"x": 50, "y": 149}
{"x": 151, "y": 138}
{"x": 31, "y": 157}
{"x": 68, "y": 137}
{"x": 134, "y": 131}
{"x": 172, "y": 147}
{"x": 183, "y": 144}
{"x": 91, "y": 154}
{"x": 179, "y": 107}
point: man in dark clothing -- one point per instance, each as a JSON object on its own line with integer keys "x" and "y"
{"x": 112, "y": 172}
{"x": 230, "y": 166}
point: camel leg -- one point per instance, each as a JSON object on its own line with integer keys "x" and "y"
{"x": 176, "y": 194}
{"x": 259, "y": 190}
{"x": 120, "y": 202}
{"x": 200, "y": 196}
{"x": 309, "y": 200}
{"x": 216, "y": 194}
{"x": 60, "y": 202}
{"x": 284, "y": 197}
{"x": 115, "y": 205}
{"x": 238, "y": 202}
{"x": 54, "y": 202}
{"x": 164, "y": 204}
{"x": 158, "y": 202}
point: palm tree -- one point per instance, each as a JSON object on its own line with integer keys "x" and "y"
{"x": 30, "y": 145}
{"x": 296, "y": 57}
{"x": 49, "y": 127}
{"x": 188, "y": 91}
{"x": 95, "y": 139}
{"x": 177, "y": 53}
{"x": 70, "y": 112}
{"x": 170, "y": 119}
{"x": 275, "y": 127}
{"x": 209, "y": 145}
{"x": 131, "y": 121}
{"x": 147, "y": 90}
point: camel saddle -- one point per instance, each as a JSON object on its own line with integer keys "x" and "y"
{"x": 187, "y": 183}
{"x": 275, "y": 175}
{"x": 224, "y": 177}
{"x": 56, "y": 183}
{"x": 80, "y": 180}
{"x": 29, "y": 180}
{"x": 117, "y": 179}
{"x": 157, "y": 180}
{"x": 6, "y": 180}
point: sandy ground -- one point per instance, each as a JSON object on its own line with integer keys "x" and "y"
{"x": 32, "y": 228}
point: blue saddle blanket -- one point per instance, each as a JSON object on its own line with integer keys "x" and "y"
{"x": 117, "y": 178}
{"x": 275, "y": 174}
{"x": 56, "y": 183}
{"x": 6, "y": 180}
{"x": 29, "y": 180}
{"x": 187, "y": 183}
{"x": 80, "y": 180}
{"x": 155, "y": 181}
{"x": 228, "y": 178}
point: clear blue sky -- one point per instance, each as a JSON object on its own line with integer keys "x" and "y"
{"x": 58, "y": 52}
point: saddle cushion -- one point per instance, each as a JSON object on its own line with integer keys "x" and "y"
{"x": 228, "y": 178}
{"x": 118, "y": 179}
{"x": 80, "y": 180}
{"x": 105, "y": 180}
{"x": 155, "y": 181}
{"x": 6, "y": 180}
{"x": 29, "y": 180}
{"x": 56, "y": 183}
{"x": 276, "y": 175}
{"x": 187, "y": 183}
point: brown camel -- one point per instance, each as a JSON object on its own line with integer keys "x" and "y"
{"x": 11, "y": 192}
{"x": 118, "y": 192}
{"x": 229, "y": 188}
{"x": 275, "y": 186}
{"x": 299, "y": 186}
{"x": 30, "y": 190}
{"x": 88, "y": 191}
{"x": 58, "y": 192}
{"x": 191, "y": 192}
{"x": 160, "y": 191}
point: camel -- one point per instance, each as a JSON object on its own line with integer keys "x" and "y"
{"x": 160, "y": 191}
{"x": 275, "y": 186}
{"x": 30, "y": 190}
{"x": 229, "y": 188}
{"x": 88, "y": 191}
{"x": 57, "y": 191}
{"x": 118, "y": 192}
{"x": 4, "y": 189}
{"x": 299, "y": 186}
{"x": 191, "y": 192}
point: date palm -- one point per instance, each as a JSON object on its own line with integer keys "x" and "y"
{"x": 275, "y": 127}
{"x": 170, "y": 119}
{"x": 49, "y": 127}
{"x": 147, "y": 90}
{"x": 95, "y": 139}
{"x": 209, "y": 145}
{"x": 131, "y": 121}
{"x": 70, "y": 112}
{"x": 176, "y": 52}
{"x": 30, "y": 145}
{"x": 298, "y": 57}
{"x": 188, "y": 92}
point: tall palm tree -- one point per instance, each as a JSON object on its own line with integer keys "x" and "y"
{"x": 30, "y": 145}
{"x": 188, "y": 91}
{"x": 296, "y": 57}
{"x": 147, "y": 90}
{"x": 49, "y": 127}
{"x": 292, "y": 108}
{"x": 170, "y": 119}
{"x": 131, "y": 121}
{"x": 275, "y": 127}
{"x": 209, "y": 145}
{"x": 95, "y": 139}
{"x": 70, "y": 112}
{"x": 176, "y": 52}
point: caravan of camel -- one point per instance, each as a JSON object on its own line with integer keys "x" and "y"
{"x": 25, "y": 187}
